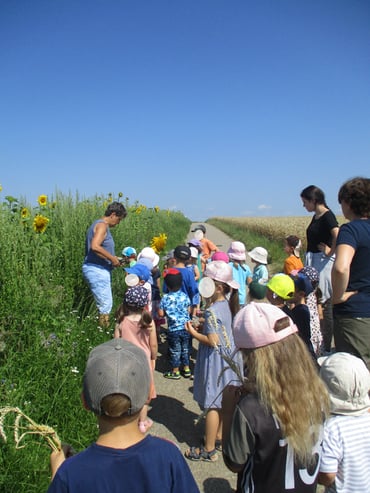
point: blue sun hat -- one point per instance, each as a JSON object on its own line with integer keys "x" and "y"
{"x": 141, "y": 270}
{"x": 137, "y": 296}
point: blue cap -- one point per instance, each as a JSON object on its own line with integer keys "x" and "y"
{"x": 128, "y": 251}
{"x": 141, "y": 270}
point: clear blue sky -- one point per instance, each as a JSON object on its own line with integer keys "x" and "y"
{"x": 209, "y": 107}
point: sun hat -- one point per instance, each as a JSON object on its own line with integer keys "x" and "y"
{"x": 302, "y": 283}
{"x": 194, "y": 252}
{"x": 218, "y": 270}
{"x": 147, "y": 262}
{"x": 348, "y": 381}
{"x": 196, "y": 243}
{"x": 220, "y": 256}
{"x": 282, "y": 285}
{"x": 149, "y": 253}
{"x": 257, "y": 290}
{"x": 259, "y": 254}
{"x": 236, "y": 251}
{"x": 136, "y": 296}
{"x": 116, "y": 367}
{"x": 182, "y": 252}
{"x": 141, "y": 270}
{"x": 128, "y": 251}
{"x": 312, "y": 273}
{"x": 260, "y": 324}
{"x": 199, "y": 227}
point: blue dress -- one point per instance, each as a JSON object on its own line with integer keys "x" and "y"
{"x": 212, "y": 372}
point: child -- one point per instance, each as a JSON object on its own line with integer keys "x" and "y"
{"x": 116, "y": 386}
{"x": 300, "y": 312}
{"x": 135, "y": 324}
{"x": 142, "y": 271}
{"x": 208, "y": 247}
{"x": 280, "y": 291}
{"x": 259, "y": 257}
{"x": 273, "y": 423}
{"x": 211, "y": 371}
{"x": 292, "y": 247}
{"x": 345, "y": 459}
{"x": 315, "y": 308}
{"x": 189, "y": 286}
{"x": 129, "y": 256}
{"x": 175, "y": 305}
{"x": 241, "y": 271}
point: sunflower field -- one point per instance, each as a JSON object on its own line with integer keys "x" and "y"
{"x": 48, "y": 322}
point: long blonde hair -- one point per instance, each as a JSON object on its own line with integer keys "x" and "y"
{"x": 288, "y": 385}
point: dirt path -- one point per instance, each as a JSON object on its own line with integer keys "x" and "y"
{"x": 174, "y": 410}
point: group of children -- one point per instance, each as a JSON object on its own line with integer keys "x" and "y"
{"x": 263, "y": 394}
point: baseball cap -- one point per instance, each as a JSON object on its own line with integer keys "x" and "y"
{"x": 236, "y": 251}
{"x": 150, "y": 254}
{"x": 140, "y": 270}
{"x": 199, "y": 227}
{"x": 257, "y": 290}
{"x": 218, "y": 270}
{"x": 220, "y": 256}
{"x": 182, "y": 252}
{"x": 116, "y": 367}
{"x": 136, "y": 296}
{"x": 128, "y": 251}
{"x": 259, "y": 254}
{"x": 302, "y": 283}
{"x": 348, "y": 381}
{"x": 282, "y": 285}
{"x": 260, "y": 324}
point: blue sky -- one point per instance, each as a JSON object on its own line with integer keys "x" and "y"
{"x": 209, "y": 107}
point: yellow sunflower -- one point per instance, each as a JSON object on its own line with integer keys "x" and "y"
{"x": 25, "y": 213}
{"x": 159, "y": 242}
{"x": 40, "y": 223}
{"x": 42, "y": 200}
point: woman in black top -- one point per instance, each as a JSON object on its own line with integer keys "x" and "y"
{"x": 321, "y": 237}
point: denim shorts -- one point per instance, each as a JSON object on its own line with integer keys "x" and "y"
{"x": 178, "y": 348}
{"x": 100, "y": 283}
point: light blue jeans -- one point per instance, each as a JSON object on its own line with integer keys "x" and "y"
{"x": 100, "y": 283}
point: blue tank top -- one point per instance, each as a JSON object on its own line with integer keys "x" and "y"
{"x": 108, "y": 244}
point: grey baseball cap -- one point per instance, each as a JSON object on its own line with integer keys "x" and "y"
{"x": 116, "y": 367}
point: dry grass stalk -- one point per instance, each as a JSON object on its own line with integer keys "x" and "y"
{"x": 31, "y": 428}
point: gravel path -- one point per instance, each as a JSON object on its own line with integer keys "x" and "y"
{"x": 174, "y": 410}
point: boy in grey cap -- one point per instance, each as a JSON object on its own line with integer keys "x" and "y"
{"x": 345, "y": 460}
{"x": 116, "y": 386}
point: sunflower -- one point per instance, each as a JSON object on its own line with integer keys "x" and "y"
{"x": 42, "y": 200}
{"x": 40, "y": 223}
{"x": 156, "y": 209}
{"x": 159, "y": 242}
{"x": 25, "y": 213}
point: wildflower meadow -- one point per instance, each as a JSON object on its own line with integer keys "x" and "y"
{"x": 48, "y": 322}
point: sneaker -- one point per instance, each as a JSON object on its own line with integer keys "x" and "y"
{"x": 173, "y": 375}
{"x": 186, "y": 373}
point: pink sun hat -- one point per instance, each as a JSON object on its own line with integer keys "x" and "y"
{"x": 218, "y": 270}
{"x": 221, "y": 256}
{"x": 260, "y": 324}
{"x": 237, "y": 251}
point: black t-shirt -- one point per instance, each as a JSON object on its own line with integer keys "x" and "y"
{"x": 319, "y": 231}
{"x": 256, "y": 442}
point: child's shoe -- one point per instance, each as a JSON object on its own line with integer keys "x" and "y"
{"x": 186, "y": 373}
{"x": 173, "y": 375}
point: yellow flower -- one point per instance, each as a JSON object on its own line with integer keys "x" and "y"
{"x": 40, "y": 223}
{"x": 25, "y": 213}
{"x": 156, "y": 208}
{"x": 42, "y": 200}
{"x": 159, "y": 242}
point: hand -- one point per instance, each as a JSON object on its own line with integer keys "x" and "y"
{"x": 324, "y": 248}
{"x": 345, "y": 296}
{"x": 58, "y": 457}
{"x": 116, "y": 262}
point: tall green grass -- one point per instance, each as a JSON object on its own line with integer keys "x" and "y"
{"x": 48, "y": 320}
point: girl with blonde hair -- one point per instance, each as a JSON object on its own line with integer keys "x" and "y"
{"x": 273, "y": 423}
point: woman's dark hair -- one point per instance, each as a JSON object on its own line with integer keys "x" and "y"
{"x": 314, "y": 194}
{"x": 117, "y": 208}
{"x": 356, "y": 193}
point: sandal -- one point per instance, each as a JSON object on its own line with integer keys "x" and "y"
{"x": 173, "y": 375}
{"x": 198, "y": 454}
{"x": 218, "y": 444}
